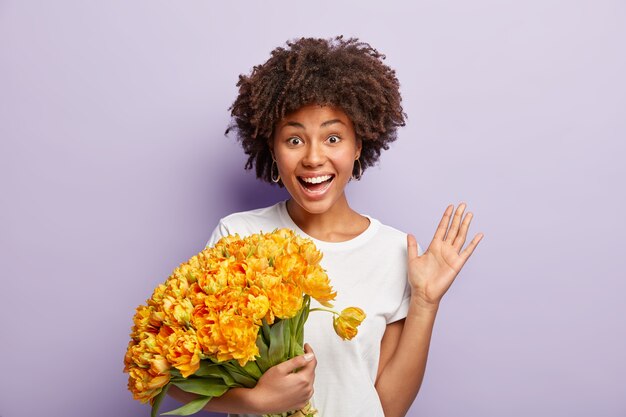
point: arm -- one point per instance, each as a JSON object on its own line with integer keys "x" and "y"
{"x": 403, "y": 355}
{"x": 404, "y": 348}
{"x": 235, "y": 400}
{"x": 280, "y": 389}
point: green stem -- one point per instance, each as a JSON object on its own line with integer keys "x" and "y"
{"x": 324, "y": 309}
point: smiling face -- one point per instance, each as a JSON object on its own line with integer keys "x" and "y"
{"x": 315, "y": 148}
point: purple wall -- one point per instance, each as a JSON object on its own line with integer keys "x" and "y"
{"x": 114, "y": 169}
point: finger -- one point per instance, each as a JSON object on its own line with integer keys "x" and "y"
{"x": 467, "y": 252}
{"x": 308, "y": 350}
{"x": 460, "y": 239}
{"x": 411, "y": 247}
{"x": 309, "y": 368}
{"x": 440, "y": 233}
{"x": 456, "y": 221}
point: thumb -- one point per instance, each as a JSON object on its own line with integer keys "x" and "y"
{"x": 298, "y": 362}
{"x": 412, "y": 247}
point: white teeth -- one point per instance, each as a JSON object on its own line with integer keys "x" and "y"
{"x": 317, "y": 180}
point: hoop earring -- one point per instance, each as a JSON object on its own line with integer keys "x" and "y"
{"x": 358, "y": 177}
{"x": 272, "y": 171}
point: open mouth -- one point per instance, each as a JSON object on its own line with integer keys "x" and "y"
{"x": 316, "y": 184}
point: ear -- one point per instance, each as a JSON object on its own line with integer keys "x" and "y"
{"x": 359, "y": 148}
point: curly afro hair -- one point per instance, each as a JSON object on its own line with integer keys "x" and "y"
{"x": 340, "y": 72}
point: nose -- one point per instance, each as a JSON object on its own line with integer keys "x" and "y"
{"x": 314, "y": 155}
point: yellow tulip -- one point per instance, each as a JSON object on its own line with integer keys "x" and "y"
{"x": 177, "y": 311}
{"x": 159, "y": 365}
{"x": 157, "y": 296}
{"x": 177, "y": 286}
{"x": 315, "y": 282}
{"x": 239, "y": 339}
{"x": 346, "y": 323}
{"x": 141, "y": 321}
{"x": 145, "y": 386}
{"x": 196, "y": 295}
{"x": 285, "y": 300}
{"x": 184, "y": 353}
{"x": 212, "y": 306}
{"x": 255, "y": 306}
{"x": 215, "y": 280}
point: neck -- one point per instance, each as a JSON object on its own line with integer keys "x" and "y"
{"x": 339, "y": 223}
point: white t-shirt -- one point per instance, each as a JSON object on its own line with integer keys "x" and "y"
{"x": 368, "y": 271}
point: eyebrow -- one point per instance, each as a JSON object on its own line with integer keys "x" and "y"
{"x": 325, "y": 124}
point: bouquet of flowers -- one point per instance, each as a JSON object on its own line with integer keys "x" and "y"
{"x": 226, "y": 316}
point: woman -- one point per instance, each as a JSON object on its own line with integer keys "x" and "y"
{"x": 317, "y": 114}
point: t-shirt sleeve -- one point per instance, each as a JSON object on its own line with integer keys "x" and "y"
{"x": 219, "y": 232}
{"x": 403, "y": 308}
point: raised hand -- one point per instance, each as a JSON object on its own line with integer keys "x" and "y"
{"x": 431, "y": 274}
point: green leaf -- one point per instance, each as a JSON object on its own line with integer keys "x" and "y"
{"x": 158, "y": 400}
{"x": 239, "y": 374}
{"x": 212, "y": 387}
{"x": 253, "y": 370}
{"x": 287, "y": 338}
{"x": 277, "y": 352}
{"x": 266, "y": 332}
{"x": 215, "y": 370}
{"x": 299, "y": 350}
{"x": 295, "y": 326}
{"x": 205, "y": 368}
{"x": 303, "y": 318}
{"x": 293, "y": 346}
{"x": 262, "y": 361}
{"x": 190, "y": 408}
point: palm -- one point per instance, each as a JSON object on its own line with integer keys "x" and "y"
{"x": 431, "y": 274}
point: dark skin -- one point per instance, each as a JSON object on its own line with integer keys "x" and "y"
{"x": 279, "y": 389}
{"x": 404, "y": 348}
{"x": 307, "y": 146}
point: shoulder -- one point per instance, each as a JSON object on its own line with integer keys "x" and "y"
{"x": 390, "y": 236}
{"x": 256, "y": 215}
{"x": 390, "y": 233}
{"x": 244, "y": 223}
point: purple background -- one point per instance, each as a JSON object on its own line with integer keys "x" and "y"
{"x": 114, "y": 169}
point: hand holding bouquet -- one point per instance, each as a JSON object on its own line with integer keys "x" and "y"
{"x": 226, "y": 316}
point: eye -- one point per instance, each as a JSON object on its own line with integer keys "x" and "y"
{"x": 333, "y": 139}
{"x": 294, "y": 141}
